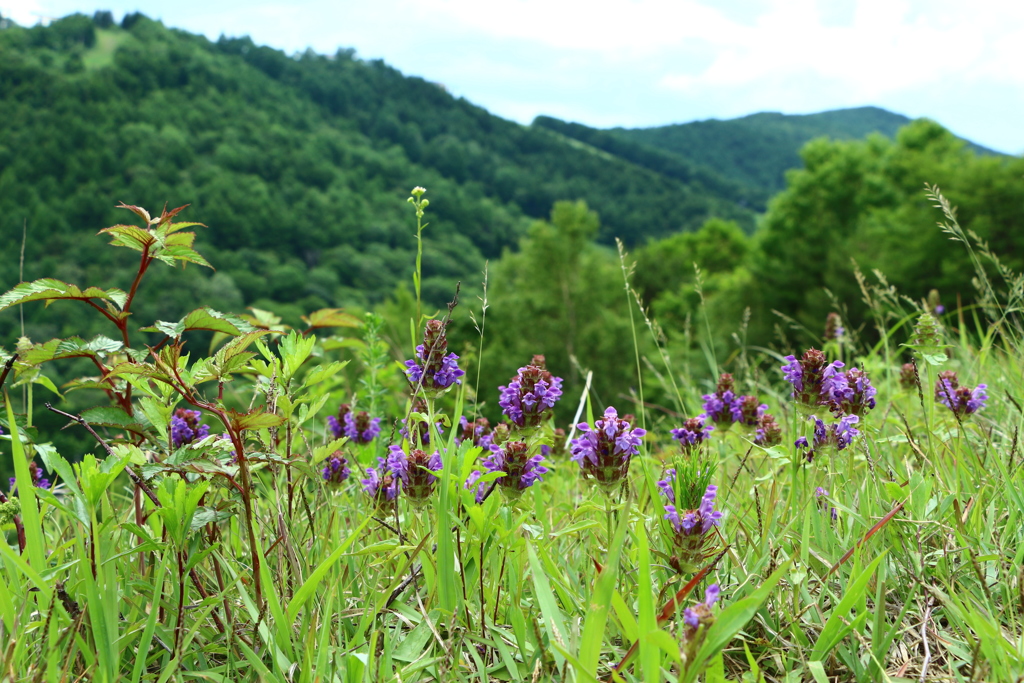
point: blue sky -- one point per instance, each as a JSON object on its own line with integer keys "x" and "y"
{"x": 652, "y": 62}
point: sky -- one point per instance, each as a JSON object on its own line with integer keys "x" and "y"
{"x": 638, "y": 63}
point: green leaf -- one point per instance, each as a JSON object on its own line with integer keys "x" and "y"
{"x": 49, "y": 289}
{"x": 72, "y": 347}
{"x": 835, "y": 628}
{"x": 731, "y": 621}
{"x": 130, "y": 236}
{"x": 554, "y": 622}
{"x": 331, "y": 317}
{"x": 202, "y": 319}
{"x": 111, "y": 416}
{"x": 305, "y": 591}
{"x": 255, "y": 419}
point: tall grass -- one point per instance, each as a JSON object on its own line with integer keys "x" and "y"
{"x": 233, "y": 559}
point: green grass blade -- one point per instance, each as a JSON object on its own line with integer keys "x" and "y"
{"x": 309, "y": 586}
{"x": 554, "y": 622}
{"x": 34, "y": 543}
{"x": 597, "y": 610}
{"x": 834, "y": 628}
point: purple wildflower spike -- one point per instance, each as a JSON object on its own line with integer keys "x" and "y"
{"x": 692, "y": 434}
{"x": 521, "y": 470}
{"x": 417, "y": 471}
{"x": 336, "y": 469}
{"x": 962, "y": 401}
{"x": 848, "y": 393}
{"x": 835, "y": 436}
{"x": 360, "y": 428}
{"x": 185, "y": 427}
{"x": 434, "y": 368}
{"x": 768, "y": 432}
{"x": 604, "y": 450}
{"x": 807, "y": 375}
{"x": 380, "y": 484}
{"x": 530, "y": 395}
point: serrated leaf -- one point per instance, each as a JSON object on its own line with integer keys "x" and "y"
{"x": 138, "y": 211}
{"x": 110, "y": 416}
{"x": 322, "y": 372}
{"x": 130, "y": 236}
{"x": 50, "y": 289}
{"x": 331, "y": 317}
{"x": 202, "y": 319}
{"x": 73, "y": 347}
{"x": 255, "y": 419}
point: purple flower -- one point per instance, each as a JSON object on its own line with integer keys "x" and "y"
{"x": 962, "y": 401}
{"x": 837, "y": 435}
{"x": 848, "y": 393}
{"x": 719, "y": 406}
{"x": 692, "y": 434}
{"x": 521, "y": 470}
{"x": 380, "y": 484}
{"x": 604, "y": 450}
{"x": 747, "y": 411}
{"x": 185, "y": 427}
{"x": 695, "y": 522}
{"x": 768, "y": 432}
{"x": 417, "y": 471}
{"x": 478, "y": 432}
{"x": 530, "y": 395}
{"x": 360, "y": 428}
{"x": 336, "y": 470}
{"x": 433, "y": 368}
{"x": 35, "y": 474}
{"x": 337, "y": 424}
{"x": 833, "y": 327}
{"x": 701, "y": 613}
{"x": 807, "y": 376}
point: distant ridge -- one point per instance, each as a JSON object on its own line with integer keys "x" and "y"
{"x": 758, "y": 149}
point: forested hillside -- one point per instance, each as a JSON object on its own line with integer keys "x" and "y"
{"x": 300, "y": 165}
{"x": 757, "y": 150}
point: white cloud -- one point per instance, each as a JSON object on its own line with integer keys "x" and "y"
{"x": 24, "y": 12}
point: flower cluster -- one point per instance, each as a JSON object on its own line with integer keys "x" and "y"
{"x": 768, "y": 433}
{"x": 701, "y": 613}
{"x": 725, "y": 407}
{"x": 604, "y": 450}
{"x": 359, "y": 427}
{"x": 835, "y": 436}
{"x": 478, "y": 432}
{"x": 692, "y": 434}
{"x": 692, "y": 522}
{"x": 380, "y": 484}
{"x": 416, "y": 471}
{"x": 520, "y": 470}
{"x": 185, "y": 427}
{"x": 962, "y": 401}
{"x": 336, "y": 470}
{"x": 36, "y": 474}
{"x": 848, "y": 393}
{"x": 434, "y": 368}
{"x": 530, "y": 395}
{"x": 807, "y": 375}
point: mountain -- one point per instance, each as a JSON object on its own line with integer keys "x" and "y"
{"x": 757, "y": 150}
{"x": 299, "y": 164}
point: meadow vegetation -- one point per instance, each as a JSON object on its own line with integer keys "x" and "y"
{"x": 266, "y": 501}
